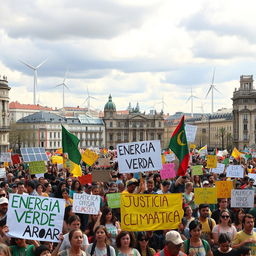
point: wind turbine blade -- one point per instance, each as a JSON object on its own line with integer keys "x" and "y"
{"x": 208, "y": 91}
{"x": 58, "y": 85}
{"x": 188, "y": 99}
{"x": 217, "y": 90}
{"x": 66, "y": 86}
{"x": 41, "y": 63}
{"x": 28, "y": 65}
{"x": 213, "y": 75}
{"x": 93, "y": 97}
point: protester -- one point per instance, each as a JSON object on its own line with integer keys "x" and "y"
{"x": 143, "y": 246}
{"x": 224, "y": 248}
{"x": 188, "y": 196}
{"x": 68, "y": 212}
{"x": 125, "y": 244}
{"x": 223, "y": 205}
{"x": 42, "y": 250}
{"x": 3, "y": 207}
{"x": 65, "y": 195}
{"x": 89, "y": 227}
{"x": 20, "y": 247}
{"x": 75, "y": 188}
{"x": 188, "y": 215}
{"x": 4, "y": 250}
{"x": 238, "y": 219}
{"x": 40, "y": 190}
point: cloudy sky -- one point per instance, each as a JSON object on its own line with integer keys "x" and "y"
{"x": 145, "y": 51}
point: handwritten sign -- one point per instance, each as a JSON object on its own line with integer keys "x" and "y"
{"x": 242, "y": 198}
{"x": 5, "y": 157}
{"x": 211, "y": 161}
{"x": 190, "y": 131}
{"x": 2, "y": 173}
{"x": 253, "y": 176}
{"x": 114, "y": 200}
{"x": 150, "y": 212}
{"x": 139, "y": 156}
{"x": 168, "y": 171}
{"x": 89, "y": 157}
{"x": 35, "y": 217}
{"x": 235, "y": 171}
{"x": 205, "y": 195}
{"x": 224, "y": 188}
{"x": 86, "y": 204}
{"x": 219, "y": 169}
{"x": 37, "y": 167}
{"x": 197, "y": 170}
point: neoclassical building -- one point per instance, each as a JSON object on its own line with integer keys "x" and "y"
{"x": 134, "y": 126}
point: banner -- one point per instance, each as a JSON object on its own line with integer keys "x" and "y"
{"x": 89, "y": 157}
{"x": 205, "y": 195}
{"x": 197, "y": 170}
{"x": 168, "y": 171}
{"x": 224, "y": 188}
{"x": 5, "y": 157}
{"x": 143, "y": 212}
{"x": 35, "y": 217}
{"x": 37, "y": 167}
{"x": 114, "y": 200}
{"x": 235, "y": 171}
{"x": 190, "y": 131}
{"x": 219, "y": 169}
{"x": 2, "y": 173}
{"x": 86, "y": 204}
{"x": 211, "y": 161}
{"x": 242, "y": 198}
{"x": 139, "y": 156}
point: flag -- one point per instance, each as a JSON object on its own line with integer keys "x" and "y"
{"x": 178, "y": 144}
{"x": 70, "y": 146}
{"x": 203, "y": 151}
{"x": 235, "y": 153}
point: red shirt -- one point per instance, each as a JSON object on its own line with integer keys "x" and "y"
{"x": 166, "y": 253}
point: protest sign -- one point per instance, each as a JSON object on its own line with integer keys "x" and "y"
{"x": 89, "y": 157}
{"x": 190, "y": 131}
{"x": 57, "y": 159}
{"x": 2, "y": 173}
{"x": 86, "y": 204}
{"x": 102, "y": 175}
{"x": 253, "y": 176}
{"x": 169, "y": 157}
{"x": 85, "y": 179}
{"x": 16, "y": 159}
{"x": 205, "y": 195}
{"x": 150, "y": 212}
{"x": 103, "y": 161}
{"x": 5, "y": 157}
{"x": 168, "y": 171}
{"x": 242, "y": 198}
{"x": 197, "y": 170}
{"x": 224, "y": 188}
{"x": 235, "y": 171}
{"x": 219, "y": 169}
{"x": 35, "y": 217}
{"x": 211, "y": 161}
{"x": 139, "y": 156}
{"x": 37, "y": 167}
{"x": 114, "y": 200}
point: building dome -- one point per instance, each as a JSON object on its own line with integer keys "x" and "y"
{"x": 110, "y": 105}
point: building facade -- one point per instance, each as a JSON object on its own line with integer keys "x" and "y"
{"x": 244, "y": 112}
{"x": 4, "y": 114}
{"x": 43, "y": 129}
{"x": 130, "y": 127}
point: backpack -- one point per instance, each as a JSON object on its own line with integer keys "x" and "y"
{"x": 187, "y": 245}
{"x": 93, "y": 249}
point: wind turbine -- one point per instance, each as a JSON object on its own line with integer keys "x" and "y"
{"x": 35, "y": 75}
{"x": 88, "y": 100}
{"x": 191, "y": 98}
{"x": 212, "y": 88}
{"x": 63, "y": 84}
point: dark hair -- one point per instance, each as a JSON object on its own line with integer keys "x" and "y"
{"x": 64, "y": 190}
{"x": 105, "y": 230}
{"x": 201, "y": 206}
{"x": 185, "y": 209}
{"x": 68, "y": 209}
{"x": 247, "y": 215}
{"x": 122, "y": 234}
{"x": 223, "y": 238}
{"x": 140, "y": 236}
{"x": 227, "y": 211}
{"x": 194, "y": 224}
{"x": 236, "y": 222}
{"x": 166, "y": 182}
{"x": 71, "y": 233}
{"x": 243, "y": 250}
{"x": 73, "y": 218}
{"x": 74, "y": 184}
{"x": 38, "y": 185}
{"x": 40, "y": 249}
{"x": 105, "y": 211}
{"x": 20, "y": 183}
{"x": 31, "y": 184}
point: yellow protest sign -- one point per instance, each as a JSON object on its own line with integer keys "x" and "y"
{"x": 211, "y": 161}
{"x": 197, "y": 170}
{"x": 223, "y": 188}
{"x": 163, "y": 159}
{"x": 205, "y": 195}
{"x": 145, "y": 212}
{"x": 57, "y": 159}
{"x": 76, "y": 169}
{"x": 37, "y": 167}
{"x": 89, "y": 157}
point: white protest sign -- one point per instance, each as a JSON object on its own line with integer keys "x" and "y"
{"x": 86, "y": 204}
{"x": 242, "y": 198}
{"x": 35, "y": 217}
{"x": 235, "y": 171}
{"x": 2, "y": 173}
{"x": 253, "y": 176}
{"x": 5, "y": 157}
{"x": 169, "y": 157}
{"x": 190, "y": 131}
{"x": 139, "y": 156}
{"x": 219, "y": 169}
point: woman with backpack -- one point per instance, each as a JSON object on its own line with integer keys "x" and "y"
{"x": 195, "y": 246}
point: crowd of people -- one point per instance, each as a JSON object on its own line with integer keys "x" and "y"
{"x": 205, "y": 229}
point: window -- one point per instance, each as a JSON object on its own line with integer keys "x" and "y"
{"x": 152, "y": 124}
{"x": 126, "y": 137}
{"x": 141, "y": 136}
{"x": 245, "y": 127}
{"x": 119, "y": 136}
{"x": 152, "y": 136}
{"x": 118, "y": 124}
{"x": 111, "y": 124}
{"x": 159, "y": 136}
{"x": 50, "y": 135}
{"x": 159, "y": 124}
{"x": 134, "y": 136}
{"x": 141, "y": 124}
{"x": 54, "y": 135}
{"x": 111, "y": 137}
{"x": 245, "y": 117}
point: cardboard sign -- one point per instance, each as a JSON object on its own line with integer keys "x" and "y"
{"x": 35, "y": 217}
{"x": 89, "y": 157}
{"x": 2, "y": 173}
{"x": 242, "y": 198}
{"x": 190, "y": 131}
{"x": 205, "y": 195}
{"x": 169, "y": 157}
{"x": 102, "y": 175}
{"x": 139, "y": 156}
{"x": 168, "y": 171}
{"x": 235, "y": 171}
{"x": 86, "y": 204}
{"x": 114, "y": 200}
{"x": 224, "y": 188}
{"x": 37, "y": 167}
{"x": 5, "y": 157}
{"x": 150, "y": 212}
{"x": 103, "y": 162}
{"x": 85, "y": 179}
{"x": 219, "y": 169}
{"x": 211, "y": 161}
{"x": 197, "y": 170}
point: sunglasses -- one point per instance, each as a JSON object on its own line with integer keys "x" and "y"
{"x": 143, "y": 239}
{"x": 225, "y": 216}
{"x": 2, "y": 195}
